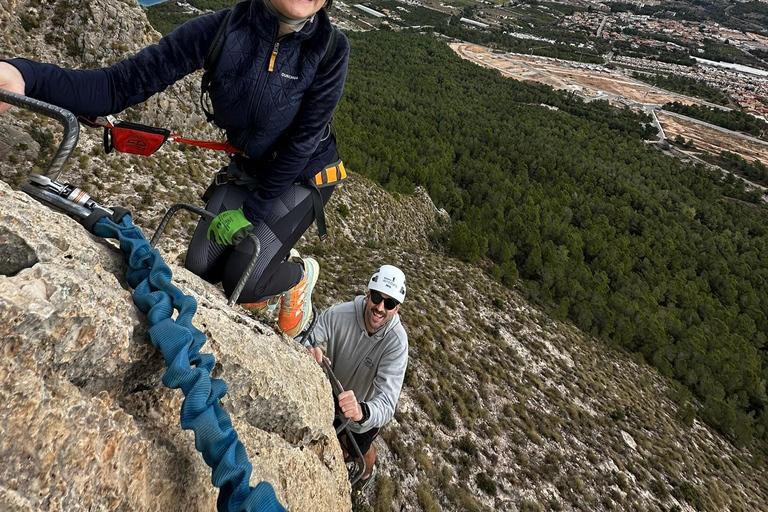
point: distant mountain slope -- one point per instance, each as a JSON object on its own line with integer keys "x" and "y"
{"x": 653, "y": 255}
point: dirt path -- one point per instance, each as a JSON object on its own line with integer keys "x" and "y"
{"x": 712, "y": 140}
{"x": 588, "y": 80}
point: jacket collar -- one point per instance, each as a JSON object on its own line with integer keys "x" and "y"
{"x": 259, "y": 15}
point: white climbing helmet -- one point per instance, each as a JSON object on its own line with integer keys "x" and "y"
{"x": 389, "y": 280}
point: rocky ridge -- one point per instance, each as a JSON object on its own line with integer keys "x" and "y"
{"x": 89, "y": 34}
{"x": 503, "y": 408}
{"x": 87, "y": 424}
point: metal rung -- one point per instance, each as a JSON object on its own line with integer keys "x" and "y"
{"x": 202, "y": 212}
{"x": 66, "y": 118}
{"x": 337, "y": 389}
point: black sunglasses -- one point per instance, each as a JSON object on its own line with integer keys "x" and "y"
{"x": 389, "y": 303}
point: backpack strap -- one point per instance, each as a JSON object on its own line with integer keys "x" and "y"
{"x": 330, "y": 50}
{"x": 218, "y": 43}
{"x": 210, "y": 60}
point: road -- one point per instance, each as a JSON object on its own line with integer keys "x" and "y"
{"x": 576, "y": 78}
{"x": 730, "y": 133}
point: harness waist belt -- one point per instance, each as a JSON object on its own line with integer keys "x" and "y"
{"x": 237, "y": 172}
{"x": 332, "y": 175}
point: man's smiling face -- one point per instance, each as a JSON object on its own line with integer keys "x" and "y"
{"x": 377, "y": 315}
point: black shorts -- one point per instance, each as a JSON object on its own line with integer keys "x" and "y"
{"x": 364, "y": 440}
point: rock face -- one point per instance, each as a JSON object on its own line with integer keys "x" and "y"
{"x": 86, "y": 422}
{"x": 15, "y": 254}
{"x": 89, "y": 34}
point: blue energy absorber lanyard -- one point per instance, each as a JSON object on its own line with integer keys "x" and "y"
{"x": 189, "y": 370}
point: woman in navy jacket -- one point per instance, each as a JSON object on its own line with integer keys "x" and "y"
{"x": 274, "y": 99}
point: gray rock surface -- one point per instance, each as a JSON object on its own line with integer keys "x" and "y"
{"x": 15, "y": 254}
{"x": 86, "y": 421}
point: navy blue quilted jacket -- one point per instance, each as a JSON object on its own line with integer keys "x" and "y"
{"x": 277, "y": 117}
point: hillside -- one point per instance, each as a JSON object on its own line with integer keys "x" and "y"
{"x": 504, "y": 407}
{"x": 567, "y": 201}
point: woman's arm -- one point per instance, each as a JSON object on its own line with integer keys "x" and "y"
{"x": 112, "y": 89}
{"x": 10, "y": 80}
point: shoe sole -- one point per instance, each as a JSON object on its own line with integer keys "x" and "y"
{"x": 311, "y": 280}
{"x": 262, "y": 307}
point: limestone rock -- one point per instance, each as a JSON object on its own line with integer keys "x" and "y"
{"x": 368, "y": 214}
{"x": 15, "y": 254}
{"x": 89, "y": 34}
{"x": 87, "y": 423}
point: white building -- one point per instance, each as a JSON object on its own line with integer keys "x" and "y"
{"x": 370, "y": 11}
{"x": 475, "y": 23}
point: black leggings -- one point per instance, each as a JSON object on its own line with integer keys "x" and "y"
{"x": 278, "y": 233}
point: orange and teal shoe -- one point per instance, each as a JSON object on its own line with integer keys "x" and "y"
{"x": 296, "y": 303}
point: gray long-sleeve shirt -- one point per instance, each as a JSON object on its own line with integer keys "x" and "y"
{"x": 372, "y": 366}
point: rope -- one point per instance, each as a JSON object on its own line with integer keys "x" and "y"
{"x": 188, "y": 369}
{"x": 216, "y": 146}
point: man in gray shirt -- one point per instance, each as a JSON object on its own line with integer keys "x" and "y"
{"x": 368, "y": 350}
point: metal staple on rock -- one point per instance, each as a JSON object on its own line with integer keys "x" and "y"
{"x": 180, "y": 343}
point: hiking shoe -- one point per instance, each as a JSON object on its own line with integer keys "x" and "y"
{"x": 294, "y": 256}
{"x": 351, "y": 469}
{"x": 364, "y": 484}
{"x": 296, "y": 303}
{"x": 264, "y": 307}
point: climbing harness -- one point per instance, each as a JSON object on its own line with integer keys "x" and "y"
{"x": 337, "y": 389}
{"x": 140, "y": 139}
{"x": 332, "y": 175}
{"x": 178, "y": 340}
{"x": 238, "y": 172}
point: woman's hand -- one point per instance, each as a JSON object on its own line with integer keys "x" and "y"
{"x": 230, "y": 227}
{"x": 10, "y": 80}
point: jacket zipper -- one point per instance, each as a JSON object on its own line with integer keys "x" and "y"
{"x": 273, "y": 57}
{"x": 263, "y": 78}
